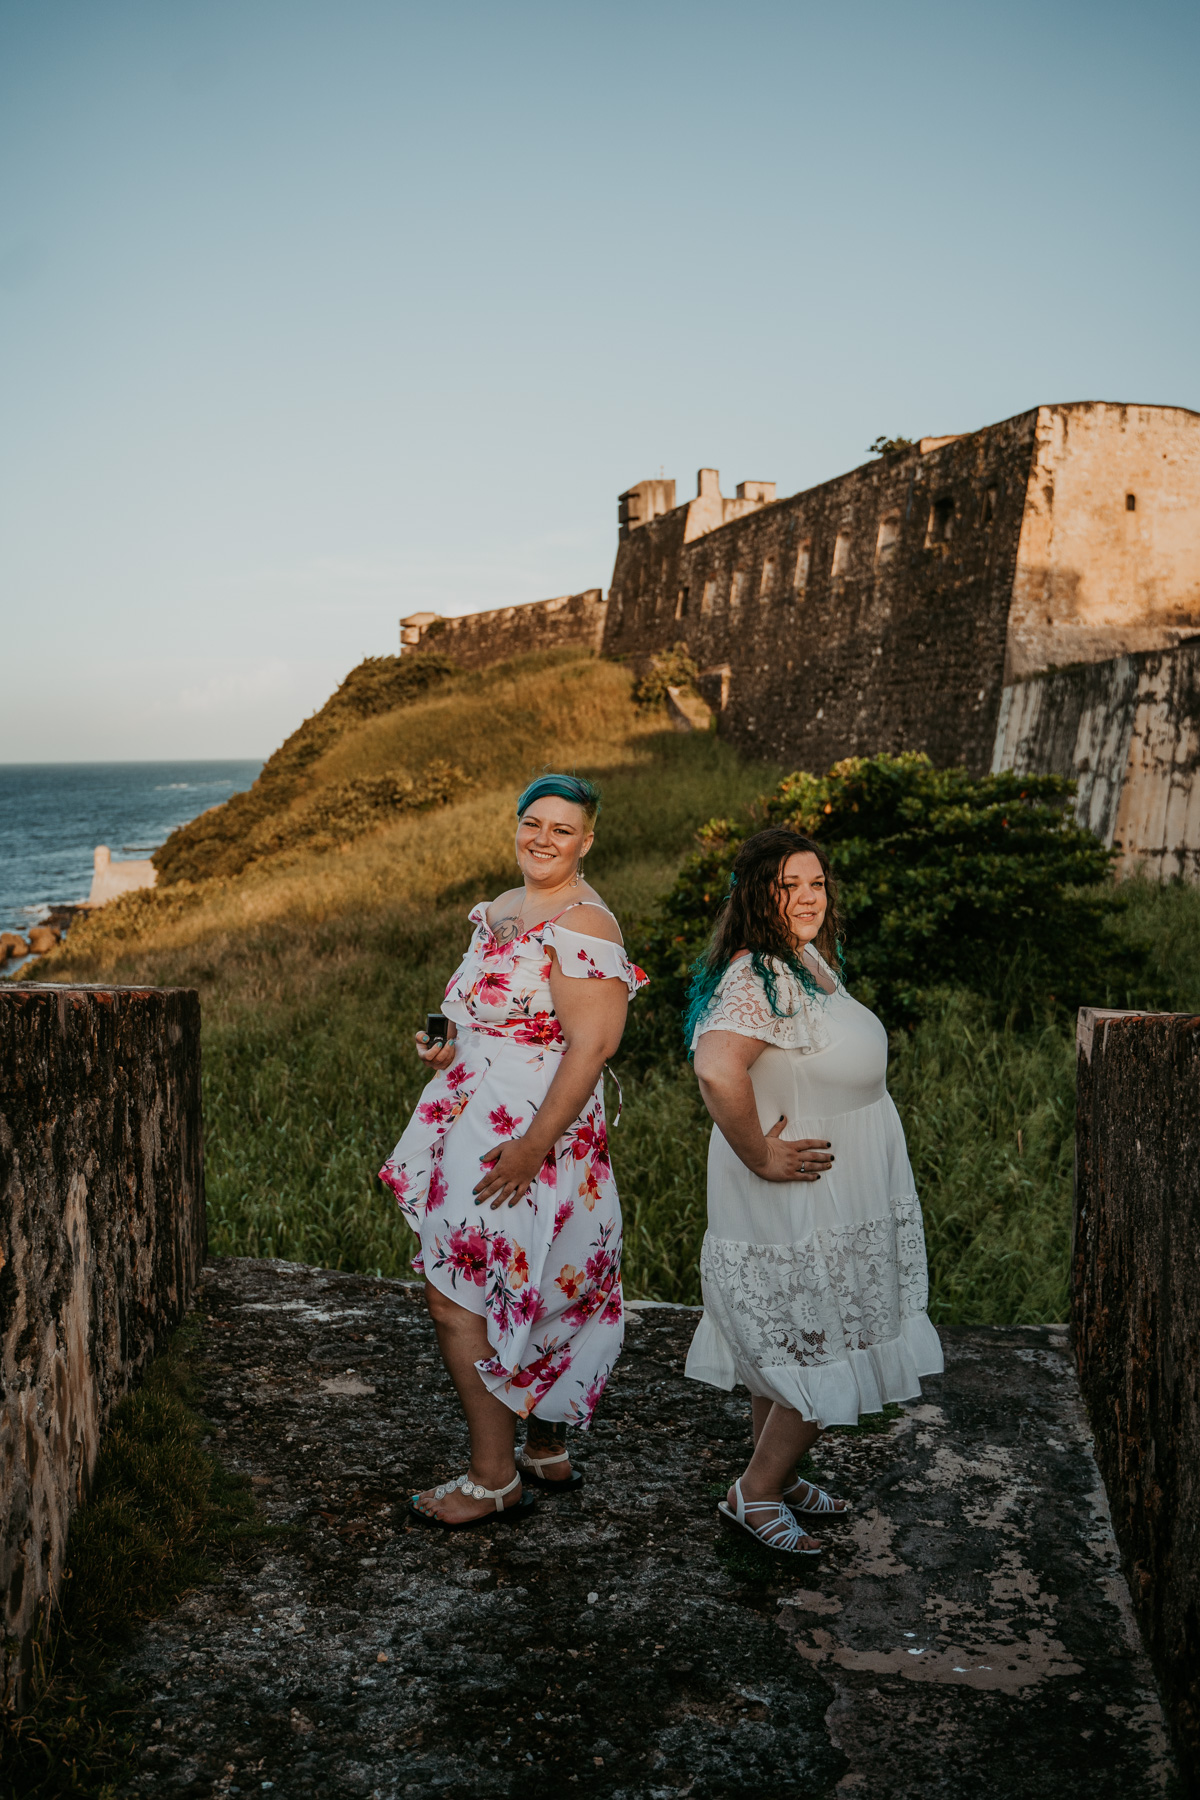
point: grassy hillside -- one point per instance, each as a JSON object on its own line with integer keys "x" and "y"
{"x": 320, "y": 915}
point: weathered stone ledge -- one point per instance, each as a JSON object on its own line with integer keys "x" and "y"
{"x": 968, "y": 1631}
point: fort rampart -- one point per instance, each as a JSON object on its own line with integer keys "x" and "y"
{"x": 476, "y": 640}
{"x": 102, "y": 1237}
{"x": 1136, "y": 1318}
{"x": 1026, "y": 595}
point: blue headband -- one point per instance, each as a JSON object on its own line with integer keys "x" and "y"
{"x": 567, "y": 787}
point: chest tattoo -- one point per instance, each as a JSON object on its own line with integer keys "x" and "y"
{"x": 508, "y": 929}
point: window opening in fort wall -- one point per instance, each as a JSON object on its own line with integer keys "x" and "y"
{"x": 803, "y": 564}
{"x": 889, "y": 534}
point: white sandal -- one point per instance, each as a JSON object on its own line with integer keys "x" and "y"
{"x": 538, "y": 1463}
{"x": 472, "y": 1489}
{"x": 820, "y": 1505}
{"x": 779, "y": 1533}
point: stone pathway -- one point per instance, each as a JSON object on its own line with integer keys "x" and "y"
{"x": 967, "y": 1633}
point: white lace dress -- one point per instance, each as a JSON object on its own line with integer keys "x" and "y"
{"x": 815, "y": 1293}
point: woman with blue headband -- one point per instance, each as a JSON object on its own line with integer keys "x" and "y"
{"x": 504, "y": 1172}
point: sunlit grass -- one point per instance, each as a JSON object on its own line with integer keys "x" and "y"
{"x": 314, "y": 971}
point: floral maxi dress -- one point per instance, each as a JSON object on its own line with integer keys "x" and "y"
{"x": 545, "y": 1273}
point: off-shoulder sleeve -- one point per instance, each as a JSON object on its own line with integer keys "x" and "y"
{"x": 592, "y": 958}
{"x": 740, "y": 1005}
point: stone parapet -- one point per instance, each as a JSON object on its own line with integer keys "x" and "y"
{"x": 102, "y": 1237}
{"x": 1136, "y": 1308}
{"x": 479, "y": 640}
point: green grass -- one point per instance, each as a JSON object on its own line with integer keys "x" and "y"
{"x": 315, "y": 969}
{"x": 162, "y": 1512}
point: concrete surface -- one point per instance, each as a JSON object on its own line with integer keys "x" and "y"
{"x": 968, "y": 1632}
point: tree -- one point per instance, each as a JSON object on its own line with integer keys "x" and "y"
{"x": 946, "y": 880}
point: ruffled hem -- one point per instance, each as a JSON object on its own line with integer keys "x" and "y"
{"x": 833, "y": 1393}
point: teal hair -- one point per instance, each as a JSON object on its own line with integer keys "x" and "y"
{"x": 749, "y": 918}
{"x": 706, "y": 978}
{"x": 574, "y": 788}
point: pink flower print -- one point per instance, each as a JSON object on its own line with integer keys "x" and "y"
{"x": 491, "y": 987}
{"x": 562, "y": 1213}
{"x": 613, "y": 1310}
{"x": 433, "y": 1112}
{"x": 569, "y": 1279}
{"x": 502, "y": 1122}
{"x": 548, "y": 1173}
{"x": 467, "y": 1253}
{"x": 397, "y": 1179}
{"x": 499, "y": 1250}
{"x": 518, "y": 1268}
{"x": 417, "y": 1261}
{"x": 437, "y": 1189}
{"x": 542, "y": 1028}
{"x": 547, "y": 969}
{"x": 457, "y": 1075}
{"x": 591, "y": 1140}
{"x": 591, "y": 1398}
{"x": 600, "y": 1266}
{"x": 525, "y": 1306}
{"x": 593, "y": 973}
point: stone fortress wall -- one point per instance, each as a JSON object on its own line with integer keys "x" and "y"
{"x": 1021, "y": 596}
{"x": 477, "y": 639}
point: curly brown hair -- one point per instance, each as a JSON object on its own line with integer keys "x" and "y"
{"x": 751, "y": 918}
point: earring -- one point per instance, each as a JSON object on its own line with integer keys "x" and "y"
{"x": 575, "y": 876}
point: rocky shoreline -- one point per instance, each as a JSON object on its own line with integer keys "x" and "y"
{"x": 15, "y": 948}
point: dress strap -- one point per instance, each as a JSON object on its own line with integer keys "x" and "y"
{"x": 574, "y": 904}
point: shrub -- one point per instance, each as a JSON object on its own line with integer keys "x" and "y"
{"x": 671, "y": 668}
{"x": 946, "y": 880}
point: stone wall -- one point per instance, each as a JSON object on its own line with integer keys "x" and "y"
{"x": 1128, "y": 731}
{"x": 102, "y": 1237}
{"x": 477, "y": 640}
{"x": 887, "y": 609}
{"x": 1136, "y": 1314}
{"x": 1109, "y": 557}
{"x": 867, "y": 614}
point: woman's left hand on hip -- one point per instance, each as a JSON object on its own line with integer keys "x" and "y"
{"x": 509, "y": 1171}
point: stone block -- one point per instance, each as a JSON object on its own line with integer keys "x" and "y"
{"x": 102, "y": 1237}
{"x": 1136, "y": 1313}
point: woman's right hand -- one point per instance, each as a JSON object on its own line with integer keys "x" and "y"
{"x": 438, "y": 1056}
{"x": 797, "y": 1159}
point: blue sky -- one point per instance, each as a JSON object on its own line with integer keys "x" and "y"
{"x": 314, "y": 315}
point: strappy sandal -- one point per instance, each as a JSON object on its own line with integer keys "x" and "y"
{"x": 820, "y": 1504}
{"x": 780, "y": 1533}
{"x": 574, "y": 1479}
{"x": 504, "y": 1515}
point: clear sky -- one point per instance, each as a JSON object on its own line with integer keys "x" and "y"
{"x": 312, "y": 315}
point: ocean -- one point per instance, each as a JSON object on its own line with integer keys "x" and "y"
{"x": 53, "y": 815}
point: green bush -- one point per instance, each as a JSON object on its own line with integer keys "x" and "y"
{"x": 670, "y": 668}
{"x": 946, "y": 881}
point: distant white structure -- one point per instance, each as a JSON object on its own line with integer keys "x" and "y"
{"x": 111, "y": 878}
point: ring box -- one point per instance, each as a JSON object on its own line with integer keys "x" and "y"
{"x": 436, "y": 1027}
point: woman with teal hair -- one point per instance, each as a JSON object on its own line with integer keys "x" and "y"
{"x": 813, "y": 1264}
{"x": 504, "y": 1171}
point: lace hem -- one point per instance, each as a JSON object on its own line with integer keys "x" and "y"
{"x": 865, "y": 1381}
{"x": 809, "y": 1303}
{"x": 740, "y": 1005}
